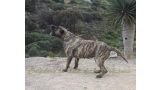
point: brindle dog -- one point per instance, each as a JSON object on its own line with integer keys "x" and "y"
{"x": 79, "y": 48}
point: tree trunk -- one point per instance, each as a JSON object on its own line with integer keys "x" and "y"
{"x": 128, "y": 39}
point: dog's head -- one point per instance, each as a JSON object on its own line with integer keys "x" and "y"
{"x": 57, "y": 31}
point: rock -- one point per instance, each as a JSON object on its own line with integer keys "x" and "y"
{"x": 113, "y": 54}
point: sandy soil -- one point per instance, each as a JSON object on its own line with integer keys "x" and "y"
{"x": 46, "y": 74}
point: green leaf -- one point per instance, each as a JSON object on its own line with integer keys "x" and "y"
{"x": 122, "y": 10}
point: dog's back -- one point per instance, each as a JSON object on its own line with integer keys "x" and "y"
{"x": 80, "y": 48}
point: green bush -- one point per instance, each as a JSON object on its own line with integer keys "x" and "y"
{"x": 45, "y": 45}
{"x": 60, "y": 1}
{"x": 73, "y": 2}
{"x": 50, "y": 54}
{"x": 30, "y": 5}
{"x": 28, "y": 47}
{"x": 29, "y": 8}
{"x": 68, "y": 18}
{"x": 59, "y": 6}
{"x": 97, "y": 16}
{"x": 88, "y": 17}
{"x": 35, "y": 37}
{"x": 27, "y": 56}
{"x": 103, "y": 6}
{"x": 56, "y": 45}
{"x": 33, "y": 51}
{"x": 32, "y": 37}
{"x": 44, "y": 53}
{"x": 62, "y": 54}
{"x": 47, "y": 1}
{"x": 29, "y": 26}
{"x": 47, "y": 30}
{"x": 42, "y": 42}
{"x": 111, "y": 43}
{"x": 119, "y": 44}
{"x": 46, "y": 18}
{"x": 94, "y": 8}
{"x": 113, "y": 34}
{"x": 96, "y": 3}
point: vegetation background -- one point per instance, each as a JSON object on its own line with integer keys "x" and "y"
{"x": 81, "y": 17}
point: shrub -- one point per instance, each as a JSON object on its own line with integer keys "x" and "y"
{"x": 42, "y": 42}
{"x": 59, "y": 6}
{"x": 103, "y": 6}
{"x": 29, "y": 8}
{"x": 43, "y": 53}
{"x": 60, "y": 1}
{"x": 97, "y": 16}
{"x": 68, "y": 18}
{"x": 50, "y": 54}
{"x": 29, "y": 26}
{"x": 46, "y": 18}
{"x": 28, "y": 47}
{"x": 27, "y": 56}
{"x": 110, "y": 42}
{"x": 33, "y": 51}
{"x": 61, "y": 54}
{"x": 47, "y": 30}
{"x": 96, "y": 3}
{"x": 45, "y": 45}
{"x": 35, "y": 37}
{"x": 94, "y": 8}
{"x": 30, "y": 5}
{"x": 38, "y": 43}
{"x": 32, "y": 37}
{"x": 88, "y": 17}
{"x": 56, "y": 45}
{"x": 73, "y": 2}
{"x": 47, "y": 1}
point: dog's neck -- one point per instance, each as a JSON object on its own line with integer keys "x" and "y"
{"x": 68, "y": 36}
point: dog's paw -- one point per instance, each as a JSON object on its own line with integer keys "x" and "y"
{"x": 64, "y": 70}
{"x": 99, "y": 76}
{"x": 75, "y": 67}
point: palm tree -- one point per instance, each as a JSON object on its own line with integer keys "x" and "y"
{"x": 123, "y": 12}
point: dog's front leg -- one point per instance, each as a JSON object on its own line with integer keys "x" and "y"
{"x": 76, "y": 63}
{"x": 69, "y": 59}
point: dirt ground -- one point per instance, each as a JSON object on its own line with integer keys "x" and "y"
{"x": 46, "y": 74}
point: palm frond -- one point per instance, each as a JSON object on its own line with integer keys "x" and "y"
{"x": 122, "y": 10}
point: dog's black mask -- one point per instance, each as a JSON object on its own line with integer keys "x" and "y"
{"x": 56, "y": 31}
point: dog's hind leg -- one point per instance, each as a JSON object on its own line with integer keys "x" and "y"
{"x": 97, "y": 71}
{"x": 69, "y": 59}
{"x": 102, "y": 65}
{"x": 76, "y": 63}
{"x": 102, "y": 68}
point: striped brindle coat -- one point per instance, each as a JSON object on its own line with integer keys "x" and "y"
{"x": 79, "y": 48}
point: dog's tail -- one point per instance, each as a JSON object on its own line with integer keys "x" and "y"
{"x": 118, "y": 52}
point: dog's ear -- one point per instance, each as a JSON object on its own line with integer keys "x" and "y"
{"x": 53, "y": 27}
{"x": 61, "y": 31}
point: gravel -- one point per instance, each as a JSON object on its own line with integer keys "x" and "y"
{"x": 46, "y": 74}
